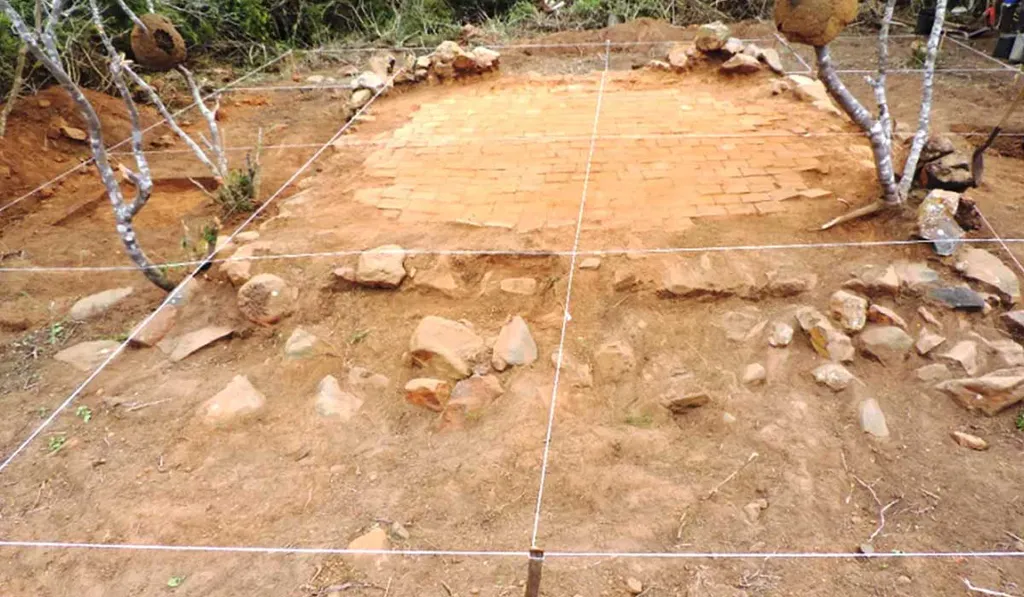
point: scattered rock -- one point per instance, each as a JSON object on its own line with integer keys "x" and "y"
{"x": 428, "y": 393}
{"x": 872, "y": 419}
{"x": 681, "y": 404}
{"x": 360, "y": 97}
{"x": 658, "y": 65}
{"x": 1014, "y": 322}
{"x": 678, "y": 57}
{"x": 590, "y": 263}
{"x": 486, "y": 58}
{"x": 814, "y": 22}
{"x": 157, "y": 328}
{"x": 193, "y": 341}
{"x": 933, "y": 372}
{"x": 383, "y": 267}
{"x": 708, "y": 276}
{"x": 927, "y": 316}
{"x": 266, "y": 299}
{"x": 889, "y": 344}
{"x": 99, "y": 303}
{"x": 634, "y": 586}
{"x": 913, "y": 276}
{"x": 991, "y": 393}
{"x": 470, "y": 396}
{"x": 826, "y": 340}
{"x": 989, "y": 270}
{"x": 376, "y": 540}
{"x": 237, "y": 400}
{"x": 885, "y": 316}
{"x": 937, "y": 146}
{"x": 833, "y": 375}
{"x": 514, "y": 346}
{"x": 928, "y": 341}
{"x": 522, "y": 286}
{"x": 780, "y": 334}
{"x": 625, "y": 280}
{"x": 813, "y": 92}
{"x": 300, "y": 344}
{"x": 238, "y": 268}
{"x": 875, "y": 280}
{"x": 247, "y": 236}
{"x": 949, "y": 173}
{"x": 332, "y": 401}
{"x": 770, "y": 57}
{"x": 712, "y": 37}
{"x": 733, "y": 46}
{"x": 75, "y": 134}
{"x": 965, "y": 353}
{"x": 967, "y": 440}
{"x": 399, "y": 531}
{"x": 783, "y": 286}
{"x": 753, "y": 510}
{"x": 453, "y": 344}
{"x": 754, "y": 374}
{"x": 613, "y": 360}
{"x": 1008, "y": 352}
{"x": 936, "y": 221}
{"x": 439, "y": 278}
{"x": 849, "y": 310}
{"x": 86, "y": 356}
{"x": 741, "y": 64}
{"x": 370, "y": 81}
{"x": 958, "y": 297}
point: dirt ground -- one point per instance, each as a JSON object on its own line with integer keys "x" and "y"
{"x": 624, "y": 474}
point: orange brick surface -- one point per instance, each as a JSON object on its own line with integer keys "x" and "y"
{"x": 517, "y": 156}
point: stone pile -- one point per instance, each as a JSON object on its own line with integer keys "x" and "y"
{"x": 715, "y": 42}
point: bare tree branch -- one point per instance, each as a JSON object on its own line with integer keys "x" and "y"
{"x": 143, "y": 180}
{"x": 216, "y": 140}
{"x": 926, "y": 100}
{"x": 173, "y": 124}
{"x": 878, "y": 84}
{"x": 131, "y": 15}
{"x": 881, "y": 147}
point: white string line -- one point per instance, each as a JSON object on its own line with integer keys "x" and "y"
{"x": 790, "y": 49}
{"x": 820, "y": 555}
{"x": 161, "y": 122}
{"x": 171, "y": 296}
{"x": 333, "y": 86}
{"x": 982, "y": 54}
{"x": 539, "y": 138}
{"x": 584, "y": 44}
{"x": 512, "y": 554}
{"x": 264, "y": 550}
{"x": 566, "y": 317}
{"x": 507, "y": 253}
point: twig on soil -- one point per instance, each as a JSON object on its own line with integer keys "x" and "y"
{"x": 136, "y": 407}
{"x": 881, "y": 509}
{"x": 930, "y": 494}
{"x": 451, "y": 593}
{"x": 751, "y": 458}
{"x": 387, "y": 589}
{"x": 853, "y": 215}
{"x": 346, "y": 586}
{"x": 975, "y": 589}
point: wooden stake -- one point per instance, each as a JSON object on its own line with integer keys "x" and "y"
{"x": 533, "y": 573}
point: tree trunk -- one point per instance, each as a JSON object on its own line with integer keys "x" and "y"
{"x": 126, "y": 230}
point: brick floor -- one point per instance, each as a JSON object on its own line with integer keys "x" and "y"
{"x": 516, "y": 156}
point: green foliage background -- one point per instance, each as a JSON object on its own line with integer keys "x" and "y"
{"x": 252, "y": 31}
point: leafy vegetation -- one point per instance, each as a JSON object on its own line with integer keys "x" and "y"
{"x": 252, "y": 31}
